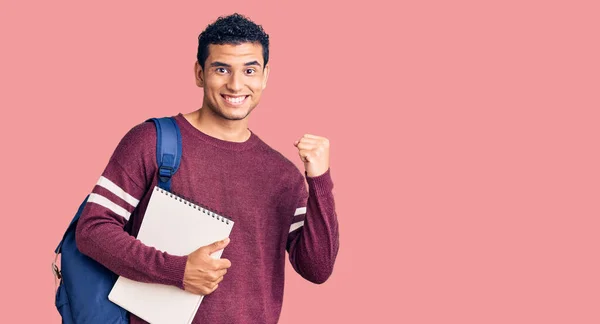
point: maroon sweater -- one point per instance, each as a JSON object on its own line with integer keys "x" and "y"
{"x": 250, "y": 183}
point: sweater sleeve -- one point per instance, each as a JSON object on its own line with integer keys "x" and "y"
{"x": 313, "y": 240}
{"x": 100, "y": 232}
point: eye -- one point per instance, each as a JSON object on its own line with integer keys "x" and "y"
{"x": 221, "y": 70}
{"x": 250, "y": 71}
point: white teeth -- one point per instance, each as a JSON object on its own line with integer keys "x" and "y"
{"x": 235, "y": 100}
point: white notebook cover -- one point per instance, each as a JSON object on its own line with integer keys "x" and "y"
{"x": 176, "y": 226}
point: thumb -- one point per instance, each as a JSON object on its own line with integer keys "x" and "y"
{"x": 218, "y": 245}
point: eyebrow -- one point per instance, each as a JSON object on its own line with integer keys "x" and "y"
{"x": 221, "y": 64}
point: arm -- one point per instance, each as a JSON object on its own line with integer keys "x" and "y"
{"x": 313, "y": 241}
{"x": 100, "y": 231}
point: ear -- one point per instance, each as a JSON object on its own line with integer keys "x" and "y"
{"x": 198, "y": 72}
{"x": 266, "y": 77}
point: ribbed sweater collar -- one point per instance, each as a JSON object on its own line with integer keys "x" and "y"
{"x": 188, "y": 128}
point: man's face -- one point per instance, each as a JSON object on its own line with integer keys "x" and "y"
{"x": 233, "y": 79}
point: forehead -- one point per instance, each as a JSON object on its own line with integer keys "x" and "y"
{"x": 232, "y": 54}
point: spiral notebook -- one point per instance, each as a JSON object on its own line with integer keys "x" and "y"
{"x": 177, "y": 226}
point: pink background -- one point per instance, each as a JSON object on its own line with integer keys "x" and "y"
{"x": 464, "y": 144}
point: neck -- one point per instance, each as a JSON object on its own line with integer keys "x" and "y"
{"x": 227, "y": 130}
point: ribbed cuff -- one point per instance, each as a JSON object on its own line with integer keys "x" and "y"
{"x": 175, "y": 269}
{"x": 319, "y": 185}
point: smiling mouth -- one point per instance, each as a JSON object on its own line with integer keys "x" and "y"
{"x": 235, "y": 100}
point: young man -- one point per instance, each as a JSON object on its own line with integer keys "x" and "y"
{"x": 229, "y": 169}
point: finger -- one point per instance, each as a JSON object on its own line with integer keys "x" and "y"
{"x": 218, "y": 245}
{"x": 196, "y": 291}
{"x": 219, "y": 273}
{"x": 209, "y": 287}
{"x": 307, "y": 146}
{"x": 211, "y": 277}
{"x": 310, "y": 141}
{"x": 312, "y": 136}
{"x": 207, "y": 290}
{"x": 215, "y": 274}
{"x": 321, "y": 140}
{"x": 222, "y": 264}
{"x": 313, "y": 153}
{"x": 305, "y": 156}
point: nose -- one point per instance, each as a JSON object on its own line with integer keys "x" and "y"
{"x": 236, "y": 82}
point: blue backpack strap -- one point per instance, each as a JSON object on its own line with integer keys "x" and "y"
{"x": 168, "y": 149}
{"x": 168, "y": 155}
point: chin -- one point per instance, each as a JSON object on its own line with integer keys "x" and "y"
{"x": 235, "y": 116}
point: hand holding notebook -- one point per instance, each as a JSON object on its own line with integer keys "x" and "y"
{"x": 179, "y": 227}
{"x": 203, "y": 273}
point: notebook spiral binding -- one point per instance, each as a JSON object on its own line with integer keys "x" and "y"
{"x": 199, "y": 207}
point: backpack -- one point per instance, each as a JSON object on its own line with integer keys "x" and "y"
{"x": 84, "y": 284}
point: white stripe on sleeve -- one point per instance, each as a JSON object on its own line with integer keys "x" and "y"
{"x": 300, "y": 211}
{"x": 112, "y": 187}
{"x": 104, "y": 202}
{"x": 296, "y": 226}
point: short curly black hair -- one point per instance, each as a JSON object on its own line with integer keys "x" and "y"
{"x": 234, "y": 29}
